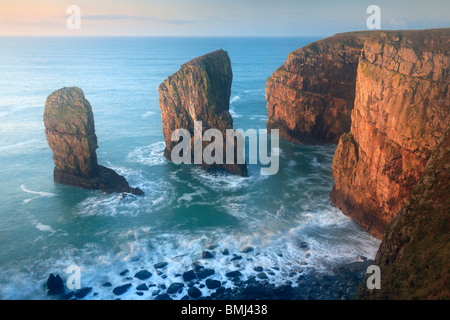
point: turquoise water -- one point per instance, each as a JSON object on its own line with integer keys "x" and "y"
{"x": 45, "y": 227}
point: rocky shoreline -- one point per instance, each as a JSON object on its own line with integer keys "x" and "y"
{"x": 202, "y": 282}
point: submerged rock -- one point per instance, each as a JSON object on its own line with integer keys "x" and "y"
{"x": 70, "y": 132}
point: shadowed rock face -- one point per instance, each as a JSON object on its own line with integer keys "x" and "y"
{"x": 199, "y": 91}
{"x": 401, "y": 110}
{"x": 70, "y": 132}
{"x": 414, "y": 256}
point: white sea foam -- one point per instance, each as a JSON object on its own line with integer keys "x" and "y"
{"x": 188, "y": 197}
{"x": 43, "y": 227}
{"x": 234, "y": 99}
{"x": 39, "y": 194}
{"x": 148, "y": 114}
{"x": 151, "y": 155}
{"x": 233, "y": 113}
{"x": 19, "y": 145}
{"x": 219, "y": 181}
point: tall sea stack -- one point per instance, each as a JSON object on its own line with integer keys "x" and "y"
{"x": 199, "y": 91}
{"x": 70, "y": 132}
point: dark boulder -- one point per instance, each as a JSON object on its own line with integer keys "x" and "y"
{"x": 55, "y": 285}
{"x": 143, "y": 275}
{"x": 121, "y": 289}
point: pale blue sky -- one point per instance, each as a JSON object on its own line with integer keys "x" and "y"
{"x": 216, "y": 18}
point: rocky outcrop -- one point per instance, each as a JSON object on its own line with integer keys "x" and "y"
{"x": 310, "y": 97}
{"x": 401, "y": 110}
{"x": 199, "y": 91}
{"x": 70, "y": 132}
{"x": 414, "y": 256}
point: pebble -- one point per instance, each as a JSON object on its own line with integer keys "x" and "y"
{"x": 189, "y": 275}
{"x": 233, "y": 274}
{"x": 163, "y": 296}
{"x": 207, "y": 255}
{"x": 204, "y": 273}
{"x": 247, "y": 249}
{"x": 83, "y": 292}
{"x": 121, "y": 289}
{"x": 160, "y": 265}
{"x": 212, "y": 284}
{"x": 142, "y": 287}
{"x": 194, "y": 292}
{"x": 143, "y": 275}
{"x": 124, "y": 272}
{"x": 174, "y": 287}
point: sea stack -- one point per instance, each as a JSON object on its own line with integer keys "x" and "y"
{"x": 70, "y": 132}
{"x": 199, "y": 91}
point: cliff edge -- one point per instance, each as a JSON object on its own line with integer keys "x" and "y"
{"x": 414, "y": 256}
{"x": 400, "y": 111}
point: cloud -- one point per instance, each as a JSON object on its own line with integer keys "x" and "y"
{"x": 115, "y": 17}
{"x": 398, "y": 23}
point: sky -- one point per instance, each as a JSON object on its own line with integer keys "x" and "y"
{"x": 214, "y": 17}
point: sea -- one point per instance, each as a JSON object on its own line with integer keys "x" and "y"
{"x": 46, "y": 227}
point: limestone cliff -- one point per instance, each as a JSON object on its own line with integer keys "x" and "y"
{"x": 310, "y": 97}
{"x": 199, "y": 91}
{"x": 401, "y": 110}
{"x": 414, "y": 256}
{"x": 70, "y": 132}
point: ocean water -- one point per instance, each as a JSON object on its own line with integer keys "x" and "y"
{"x": 46, "y": 227}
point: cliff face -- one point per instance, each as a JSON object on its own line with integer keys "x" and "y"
{"x": 414, "y": 256}
{"x": 401, "y": 110}
{"x": 310, "y": 97}
{"x": 199, "y": 91}
{"x": 70, "y": 132}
